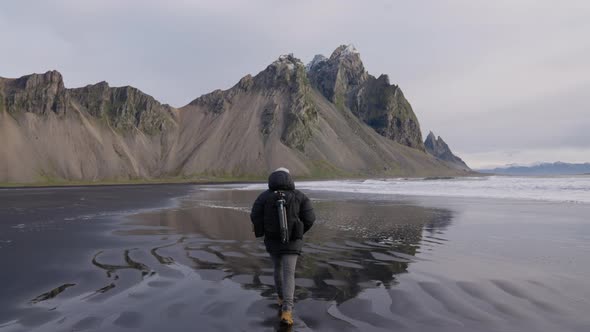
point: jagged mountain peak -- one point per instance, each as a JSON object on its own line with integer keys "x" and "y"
{"x": 288, "y": 60}
{"x": 285, "y": 72}
{"x": 384, "y": 78}
{"x": 439, "y": 148}
{"x": 343, "y": 80}
{"x": 49, "y": 78}
{"x": 349, "y": 58}
{"x": 342, "y": 52}
{"x": 432, "y": 142}
{"x": 101, "y": 84}
{"x": 345, "y": 51}
{"x": 317, "y": 59}
{"x": 431, "y": 138}
{"x": 339, "y": 75}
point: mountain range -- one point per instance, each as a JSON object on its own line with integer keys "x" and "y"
{"x": 327, "y": 119}
{"x": 556, "y": 168}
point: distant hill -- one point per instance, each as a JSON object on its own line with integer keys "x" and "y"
{"x": 557, "y": 168}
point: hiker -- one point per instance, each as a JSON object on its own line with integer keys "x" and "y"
{"x": 283, "y": 243}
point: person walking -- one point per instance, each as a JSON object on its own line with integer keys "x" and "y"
{"x": 282, "y": 215}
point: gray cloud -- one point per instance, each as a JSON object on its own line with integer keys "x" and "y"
{"x": 491, "y": 77}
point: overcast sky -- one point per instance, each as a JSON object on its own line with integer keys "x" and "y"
{"x": 504, "y": 81}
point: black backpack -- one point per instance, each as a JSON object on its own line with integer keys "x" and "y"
{"x": 281, "y": 221}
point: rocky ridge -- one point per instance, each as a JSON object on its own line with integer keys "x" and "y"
{"x": 438, "y": 148}
{"x": 124, "y": 108}
{"x": 36, "y": 93}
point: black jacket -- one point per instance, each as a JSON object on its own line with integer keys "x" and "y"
{"x": 264, "y": 215}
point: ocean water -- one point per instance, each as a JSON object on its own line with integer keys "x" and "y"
{"x": 574, "y": 189}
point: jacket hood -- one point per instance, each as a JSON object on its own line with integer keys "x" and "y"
{"x": 280, "y": 180}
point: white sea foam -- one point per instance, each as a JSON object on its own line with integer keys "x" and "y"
{"x": 556, "y": 189}
{"x": 218, "y": 206}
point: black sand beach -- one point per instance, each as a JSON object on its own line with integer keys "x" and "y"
{"x": 183, "y": 258}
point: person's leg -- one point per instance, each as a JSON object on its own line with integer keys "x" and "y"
{"x": 278, "y": 273}
{"x": 288, "y": 264}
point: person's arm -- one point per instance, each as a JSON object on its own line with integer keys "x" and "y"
{"x": 306, "y": 214}
{"x": 257, "y": 215}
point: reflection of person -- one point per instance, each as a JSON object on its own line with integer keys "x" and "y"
{"x": 266, "y": 221}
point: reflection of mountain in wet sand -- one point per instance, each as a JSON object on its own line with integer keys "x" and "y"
{"x": 353, "y": 245}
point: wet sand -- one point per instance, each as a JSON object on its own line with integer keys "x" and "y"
{"x": 371, "y": 263}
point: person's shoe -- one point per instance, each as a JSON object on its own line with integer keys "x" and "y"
{"x": 286, "y": 318}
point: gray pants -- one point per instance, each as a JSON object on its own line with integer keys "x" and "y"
{"x": 285, "y": 278}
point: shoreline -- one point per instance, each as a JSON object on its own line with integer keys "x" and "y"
{"x": 206, "y": 181}
{"x": 83, "y": 184}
